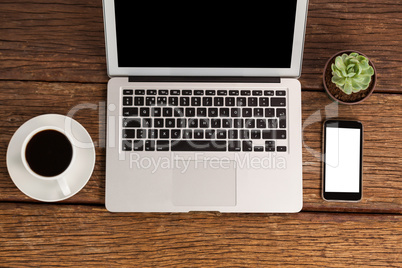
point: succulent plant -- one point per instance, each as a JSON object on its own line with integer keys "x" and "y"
{"x": 351, "y": 73}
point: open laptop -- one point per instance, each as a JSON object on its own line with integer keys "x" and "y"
{"x": 204, "y": 106}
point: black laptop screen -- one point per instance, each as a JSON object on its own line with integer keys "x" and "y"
{"x": 203, "y": 34}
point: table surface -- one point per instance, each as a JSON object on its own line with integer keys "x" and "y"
{"x": 52, "y": 58}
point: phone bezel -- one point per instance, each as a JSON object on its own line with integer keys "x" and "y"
{"x": 342, "y": 196}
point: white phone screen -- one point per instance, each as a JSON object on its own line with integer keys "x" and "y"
{"x": 342, "y": 160}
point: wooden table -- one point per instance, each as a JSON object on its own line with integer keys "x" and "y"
{"x": 52, "y": 58}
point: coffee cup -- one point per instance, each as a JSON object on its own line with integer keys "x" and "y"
{"x": 48, "y": 154}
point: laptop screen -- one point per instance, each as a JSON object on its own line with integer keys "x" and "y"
{"x": 205, "y": 34}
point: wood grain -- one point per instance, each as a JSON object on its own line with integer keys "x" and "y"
{"x": 88, "y": 236}
{"x": 54, "y": 40}
{"x": 381, "y": 116}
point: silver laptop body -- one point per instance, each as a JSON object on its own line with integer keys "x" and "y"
{"x": 204, "y": 107}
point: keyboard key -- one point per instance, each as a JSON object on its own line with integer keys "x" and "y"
{"x": 280, "y": 112}
{"x": 149, "y": 145}
{"x": 238, "y": 123}
{"x": 162, "y": 145}
{"x": 268, "y": 92}
{"x": 184, "y": 101}
{"x": 207, "y": 101}
{"x": 233, "y": 92}
{"x": 151, "y": 91}
{"x": 181, "y": 123}
{"x": 241, "y": 101}
{"x": 233, "y": 134}
{"x": 258, "y": 148}
{"x": 227, "y": 123}
{"x": 139, "y": 92}
{"x": 186, "y": 92}
{"x": 173, "y": 101}
{"x": 147, "y": 122}
{"x": 138, "y": 145}
{"x": 280, "y": 93}
{"x": 152, "y": 134}
{"x": 273, "y": 134}
{"x": 250, "y": 123}
{"x": 247, "y": 112}
{"x": 281, "y": 148}
{"x": 132, "y": 111}
{"x": 139, "y": 101}
{"x": 196, "y": 101}
{"x": 204, "y": 123}
{"x": 128, "y": 134}
{"x": 150, "y": 101}
{"x": 261, "y": 123}
{"x": 198, "y": 145}
{"x": 163, "y": 92}
{"x": 210, "y": 92}
{"x": 252, "y": 101}
{"x": 221, "y": 134}
{"x": 212, "y": 112}
{"x": 174, "y": 92}
{"x": 192, "y": 123}
{"x": 175, "y": 133}
{"x": 131, "y": 122}
{"x": 164, "y": 133}
{"x": 127, "y": 101}
{"x": 141, "y": 133}
{"x": 234, "y": 146}
{"x": 247, "y": 146}
{"x": 127, "y": 145}
{"x": 187, "y": 134}
{"x": 264, "y": 101}
{"x": 215, "y": 123}
{"x": 235, "y": 112}
{"x": 144, "y": 111}
{"x": 269, "y": 112}
{"x": 282, "y": 123}
{"x": 218, "y": 101}
{"x": 128, "y": 92}
{"x": 198, "y": 92}
{"x": 198, "y": 134}
{"x": 270, "y": 146}
{"x": 210, "y": 133}
{"x": 278, "y": 102}
{"x": 190, "y": 112}
{"x": 202, "y": 112}
{"x": 230, "y": 101}
{"x": 156, "y": 111}
{"x": 178, "y": 112}
{"x": 272, "y": 123}
{"x": 257, "y": 92}
{"x": 258, "y": 112}
{"x": 244, "y": 134}
{"x": 245, "y": 92}
{"x": 224, "y": 112}
{"x": 222, "y": 92}
{"x": 255, "y": 134}
{"x": 167, "y": 112}
{"x": 161, "y": 101}
{"x": 158, "y": 122}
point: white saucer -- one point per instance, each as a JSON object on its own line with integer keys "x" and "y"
{"x": 49, "y": 191}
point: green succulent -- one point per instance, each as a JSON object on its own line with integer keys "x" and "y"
{"x": 351, "y": 73}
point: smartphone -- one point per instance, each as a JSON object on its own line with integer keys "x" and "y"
{"x": 342, "y": 160}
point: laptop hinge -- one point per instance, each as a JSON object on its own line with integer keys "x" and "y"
{"x": 212, "y": 79}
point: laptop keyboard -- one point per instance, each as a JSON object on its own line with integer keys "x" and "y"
{"x": 204, "y": 120}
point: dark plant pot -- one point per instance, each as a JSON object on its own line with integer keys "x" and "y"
{"x": 336, "y": 93}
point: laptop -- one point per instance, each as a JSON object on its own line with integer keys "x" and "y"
{"x": 204, "y": 106}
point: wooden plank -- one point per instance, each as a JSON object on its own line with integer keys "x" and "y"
{"x": 381, "y": 116}
{"x": 54, "y": 40}
{"x": 71, "y": 235}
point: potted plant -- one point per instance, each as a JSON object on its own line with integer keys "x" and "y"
{"x": 349, "y": 77}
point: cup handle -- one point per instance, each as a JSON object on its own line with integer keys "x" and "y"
{"x": 64, "y": 186}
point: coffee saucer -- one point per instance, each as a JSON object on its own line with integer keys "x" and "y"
{"x": 77, "y": 178}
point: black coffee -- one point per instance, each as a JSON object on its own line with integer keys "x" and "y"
{"x": 49, "y": 153}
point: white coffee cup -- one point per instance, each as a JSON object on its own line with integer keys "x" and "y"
{"x": 48, "y": 154}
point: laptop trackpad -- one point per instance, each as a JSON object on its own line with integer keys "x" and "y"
{"x": 204, "y": 183}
